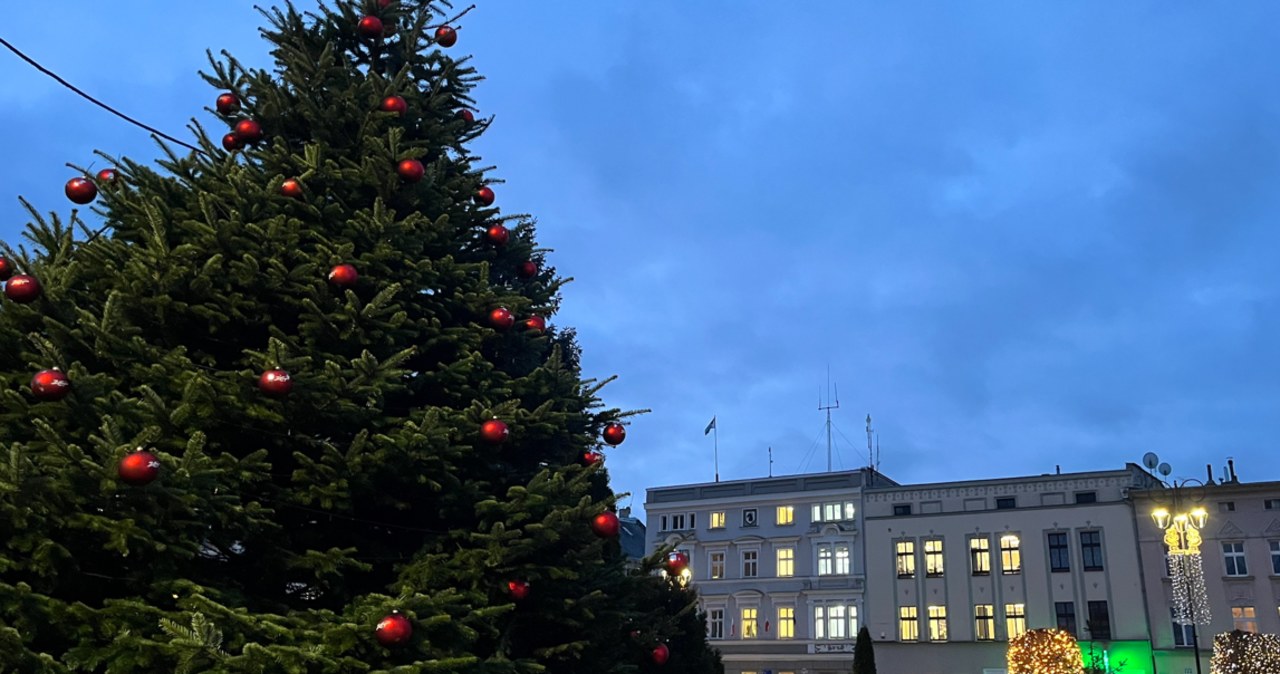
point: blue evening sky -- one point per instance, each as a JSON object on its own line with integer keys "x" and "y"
{"x": 1020, "y": 234}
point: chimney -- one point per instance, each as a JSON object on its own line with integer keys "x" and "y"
{"x": 1059, "y": 469}
{"x": 1231, "y": 470}
{"x": 1209, "y": 468}
{"x": 624, "y": 513}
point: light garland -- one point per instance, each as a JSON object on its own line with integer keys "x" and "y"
{"x": 1190, "y": 596}
{"x": 1245, "y": 653}
{"x": 1045, "y": 651}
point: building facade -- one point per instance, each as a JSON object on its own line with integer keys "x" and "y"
{"x": 777, "y": 563}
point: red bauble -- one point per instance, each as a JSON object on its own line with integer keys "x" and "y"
{"x": 606, "y": 525}
{"x": 498, "y": 235}
{"x": 106, "y": 175}
{"x": 275, "y": 383}
{"x": 535, "y": 324}
{"x": 81, "y": 190}
{"x": 677, "y": 562}
{"x": 614, "y": 434}
{"x": 519, "y": 589}
{"x": 291, "y": 188}
{"x": 395, "y": 104}
{"x": 343, "y": 276}
{"x": 231, "y": 142}
{"x": 590, "y": 458}
{"x": 501, "y": 319}
{"x": 371, "y": 27}
{"x": 394, "y": 630}
{"x": 22, "y": 289}
{"x": 248, "y": 131}
{"x": 228, "y": 104}
{"x": 446, "y": 36}
{"x": 483, "y": 196}
{"x": 466, "y": 116}
{"x": 411, "y": 170}
{"x": 527, "y": 270}
{"x": 661, "y": 654}
{"x": 50, "y": 385}
{"x": 6, "y": 269}
{"x": 494, "y": 431}
{"x": 139, "y": 468}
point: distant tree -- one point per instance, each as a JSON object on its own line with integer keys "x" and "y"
{"x": 864, "y": 657}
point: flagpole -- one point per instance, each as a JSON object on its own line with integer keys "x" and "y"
{"x": 715, "y": 439}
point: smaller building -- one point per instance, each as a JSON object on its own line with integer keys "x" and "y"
{"x": 631, "y": 537}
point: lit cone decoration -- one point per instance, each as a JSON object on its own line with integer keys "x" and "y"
{"x": 139, "y": 468}
{"x": 494, "y": 431}
{"x": 50, "y": 385}
{"x": 81, "y": 190}
{"x": 606, "y": 525}
{"x": 275, "y": 383}
{"x": 501, "y": 319}
{"x": 22, "y": 289}
{"x": 614, "y": 434}
{"x": 393, "y": 630}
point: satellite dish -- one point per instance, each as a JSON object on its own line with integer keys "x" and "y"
{"x": 1165, "y": 469}
{"x": 1150, "y": 460}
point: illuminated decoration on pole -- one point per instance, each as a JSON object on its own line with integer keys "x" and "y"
{"x": 1045, "y": 651}
{"x": 1245, "y": 653}
{"x": 1186, "y": 566}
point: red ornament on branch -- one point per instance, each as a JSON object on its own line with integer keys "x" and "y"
{"x": 484, "y": 196}
{"x": 343, "y": 276}
{"x": 446, "y": 37}
{"x": 535, "y": 324}
{"x": 590, "y": 458}
{"x": 275, "y": 383}
{"x": 661, "y": 654}
{"x": 81, "y": 190}
{"x": 6, "y": 269}
{"x": 527, "y": 269}
{"x": 395, "y": 104}
{"x": 106, "y": 175}
{"x": 50, "y": 385}
{"x": 411, "y": 170}
{"x": 228, "y": 104}
{"x": 466, "y": 116}
{"x": 139, "y": 468}
{"x": 231, "y": 142}
{"x": 677, "y": 562}
{"x": 291, "y": 188}
{"x": 498, "y": 235}
{"x": 519, "y": 589}
{"x": 23, "y": 289}
{"x": 501, "y": 319}
{"x": 393, "y": 630}
{"x": 606, "y": 525}
{"x": 370, "y": 27}
{"x": 494, "y": 432}
{"x": 248, "y": 131}
{"x": 614, "y": 434}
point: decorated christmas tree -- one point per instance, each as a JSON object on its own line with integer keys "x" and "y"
{"x": 290, "y": 402}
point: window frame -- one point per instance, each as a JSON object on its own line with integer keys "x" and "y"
{"x": 1243, "y": 622}
{"x": 908, "y": 621}
{"x": 1092, "y": 551}
{"x": 786, "y": 622}
{"x": 1274, "y": 547}
{"x": 1183, "y": 635}
{"x": 1234, "y": 563}
{"x": 1099, "y": 621}
{"x": 1068, "y": 617}
{"x": 1015, "y": 618}
{"x": 1059, "y": 545}
{"x": 937, "y": 623}
{"x": 784, "y": 515}
{"x": 718, "y": 516}
{"x": 1011, "y": 556}
{"x": 785, "y": 561}
{"x": 934, "y": 560}
{"x": 901, "y": 509}
{"x": 981, "y": 621}
{"x": 979, "y": 552}
{"x": 905, "y": 558}
{"x": 714, "y": 621}
{"x": 712, "y": 564}
{"x": 754, "y": 561}
{"x": 1086, "y": 497}
{"x": 751, "y": 625}
{"x": 1006, "y": 503}
{"x": 823, "y": 620}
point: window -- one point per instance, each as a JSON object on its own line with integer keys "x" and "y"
{"x": 906, "y": 559}
{"x": 715, "y": 623}
{"x": 908, "y": 624}
{"x": 900, "y": 510}
{"x": 980, "y": 556}
{"x": 1271, "y": 504}
{"x": 835, "y": 621}
{"x": 1091, "y": 550}
{"x": 1086, "y": 497}
{"x": 1066, "y": 613}
{"x": 786, "y": 562}
{"x": 750, "y": 564}
{"x": 1275, "y": 558}
{"x": 1099, "y": 625}
{"x": 1015, "y": 620}
{"x": 842, "y": 559}
{"x": 833, "y": 512}
{"x": 1059, "y": 553}
{"x": 1006, "y": 503}
{"x": 717, "y": 565}
{"x": 750, "y": 517}
{"x": 749, "y": 617}
{"x": 937, "y": 623}
{"x": 1010, "y": 555}
{"x": 786, "y": 622}
{"x": 933, "y": 558}
{"x": 786, "y": 515}
{"x": 1244, "y": 618}
{"x": 984, "y": 622}
{"x": 1226, "y": 506}
{"x": 1183, "y": 635}
{"x": 717, "y": 520}
{"x": 677, "y": 522}
{"x": 833, "y": 559}
{"x": 1233, "y": 558}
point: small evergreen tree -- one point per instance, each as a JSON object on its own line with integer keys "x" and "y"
{"x": 864, "y": 657}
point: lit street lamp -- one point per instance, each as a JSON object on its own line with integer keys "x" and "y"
{"x": 1181, "y": 524}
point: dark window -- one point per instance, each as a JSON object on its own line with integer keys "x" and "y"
{"x": 1099, "y": 621}
{"x": 1091, "y": 550}
{"x": 1066, "y": 616}
{"x": 1227, "y": 506}
{"x": 902, "y": 509}
{"x": 1059, "y": 553}
{"x": 1006, "y": 503}
{"x": 1272, "y": 504}
{"x": 1086, "y": 497}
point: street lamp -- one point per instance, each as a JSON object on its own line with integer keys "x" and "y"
{"x": 1181, "y": 523}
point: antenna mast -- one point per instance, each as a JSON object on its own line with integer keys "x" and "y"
{"x": 871, "y": 457}
{"x": 827, "y": 409}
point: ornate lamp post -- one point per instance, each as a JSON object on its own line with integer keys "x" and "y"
{"x": 1181, "y": 522}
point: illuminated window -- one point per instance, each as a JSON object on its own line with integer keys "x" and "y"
{"x": 833, "y": 512}
{"x": 786, "y": 515}
{"x": 1015, "y": 620}
{"x": 750, "y": 564}
{"x": 786, "y": 622}
{"x": 717, "y": 520}
{"x": 833, "y": 559}
{"x": 1244, "y": 618}
{"x": 715, "y": 623}
{"x": 835, "y": 621}
{"x": 933, "y": 558}
{"x": 906, "y": 559}
{"x": 749, "y": 623}
{"x": 1233, "y": 558}
{"x": 984, "y": 618}
{"x": 786, "y": 562}
{"x": 1010, "y": 555}
{"x": 980, "y": 555}
{"x": 908, "y": 624}
{"x": 842, "y": 559}
{"x": 717, "y": 565}
{"x": 937, "y": 623}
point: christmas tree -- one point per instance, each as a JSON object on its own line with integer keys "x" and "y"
{"x": 864, "y": 656}
{"x": 294, "y": 404}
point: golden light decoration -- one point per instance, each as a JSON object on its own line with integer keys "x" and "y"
{"x": 1045, "y": 651}
{"x": 1186, "y": 568}
{"x": 1245, "y": 653}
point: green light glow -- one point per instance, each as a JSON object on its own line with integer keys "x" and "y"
{"x": 1136, "y": 655}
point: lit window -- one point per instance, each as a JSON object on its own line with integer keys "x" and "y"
{"x": 906, "y": 559}
{"x": 933, "y": 558}
{"x": 786, "y": 562}
{"x": 937, "y": 623}
{"x": 717, "y": 565}
{"x": 826, "y": 562}
{"x": 1015, "y": 620}
{"x": 1244, "y": 618}
{"x": 749, "y": 623}
{"x": 786, "y": 515}
{"x": 980, "y": 556}
{"x": 715, "y": 623}
{"x": 1010, "y": 555}
{"x": 842, "y": 559}
{"x": 786, "y": 622}
{"x": 1233, "y": 558}
{"x": 1091, "y": 550}
{"x": 717, "y": 520}
{"x": 984, "y": 618}
{"x": 908, "y": 624}
{"x": 833, "y": 559}
{"x": 835, "y": 621}
{"x": 750, "y": 564}
{"x": 833, "y": 512}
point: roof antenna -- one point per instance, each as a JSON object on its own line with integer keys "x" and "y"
{"x": 828, "y": 409}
